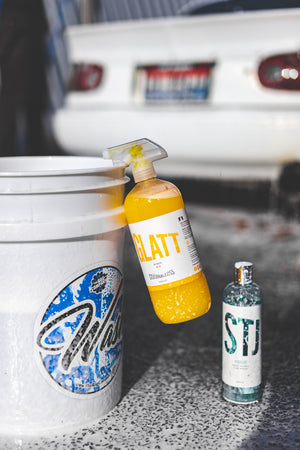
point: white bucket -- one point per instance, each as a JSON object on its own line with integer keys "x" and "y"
{"x": 61, "y": 246}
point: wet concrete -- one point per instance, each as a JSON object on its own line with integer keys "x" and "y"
{"x": 172, "y": 373}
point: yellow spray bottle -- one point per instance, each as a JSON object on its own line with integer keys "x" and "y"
{"x": 162, "y": 236}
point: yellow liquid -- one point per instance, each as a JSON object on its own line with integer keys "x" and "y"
{"x": 182, "y": 300}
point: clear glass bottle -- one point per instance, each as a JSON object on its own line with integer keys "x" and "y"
{"x": 241, "y": 341}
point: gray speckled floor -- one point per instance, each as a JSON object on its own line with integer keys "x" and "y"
{"x": 172, "y": 374}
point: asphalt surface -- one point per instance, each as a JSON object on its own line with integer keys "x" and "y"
{"x": 172, "y": 373}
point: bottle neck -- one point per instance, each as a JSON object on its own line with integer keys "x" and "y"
{"x": 143, "y": 174}
{"x": 243, "y": 273}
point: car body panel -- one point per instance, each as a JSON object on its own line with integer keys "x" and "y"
{"x": 241, "y": 121}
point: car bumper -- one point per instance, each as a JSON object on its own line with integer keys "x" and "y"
{"x": 227, "y": 136}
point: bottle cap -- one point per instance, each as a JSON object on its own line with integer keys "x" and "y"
{"x": 243, "y": 271}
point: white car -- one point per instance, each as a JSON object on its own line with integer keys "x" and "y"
{"x": 220, "y": 92}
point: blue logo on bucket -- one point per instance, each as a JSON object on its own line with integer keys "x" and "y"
{"x": 79, "y": 338}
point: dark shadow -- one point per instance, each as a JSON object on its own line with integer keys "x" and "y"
{"x": 23, "y": 93}
{"x": 287, "y": 191}
{"x": 252, "y": 195}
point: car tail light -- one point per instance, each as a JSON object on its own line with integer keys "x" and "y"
{"x": 86, "y": 77}
{"x": 281, "y": 72}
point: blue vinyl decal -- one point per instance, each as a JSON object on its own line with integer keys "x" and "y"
{"x": 79, "y": 338}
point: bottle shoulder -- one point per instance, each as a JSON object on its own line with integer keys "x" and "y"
{"x": 154, "y": 188}
{"x": 238, "y": 295}
{"x": 152, "y": 198}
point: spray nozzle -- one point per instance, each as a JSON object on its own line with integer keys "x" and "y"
{"x": 141, "y": 153}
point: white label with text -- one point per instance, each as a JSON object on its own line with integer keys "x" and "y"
{"x": 166, "y": 248}
{"x": 242, "y": 345}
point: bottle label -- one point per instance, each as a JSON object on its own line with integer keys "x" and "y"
{"x": 241, "y": 346}
{"x": 166, "y": 248}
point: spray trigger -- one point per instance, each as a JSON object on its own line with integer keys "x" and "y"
{"x": 141, "y": 153}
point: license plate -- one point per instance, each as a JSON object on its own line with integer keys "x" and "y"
{"x": 188, "y": 83}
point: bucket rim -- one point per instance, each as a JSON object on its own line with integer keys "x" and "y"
{"x": 41, "y": 161}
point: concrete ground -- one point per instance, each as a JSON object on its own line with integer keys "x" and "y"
{"x": 172, "y": 373}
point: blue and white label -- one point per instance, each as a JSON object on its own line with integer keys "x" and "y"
{"x": 78, "y": 336}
